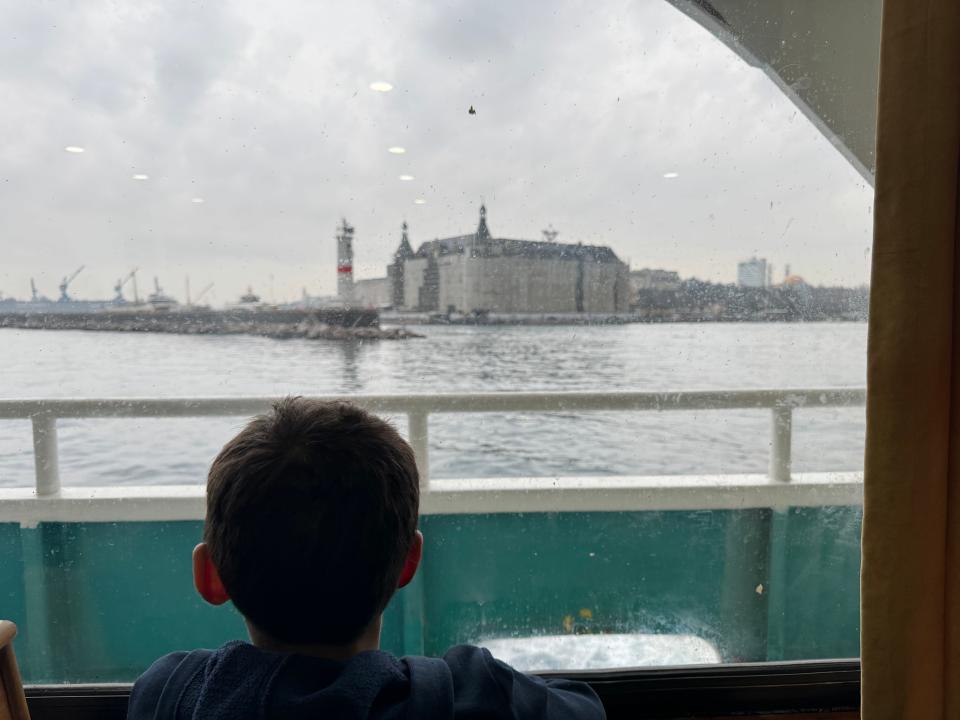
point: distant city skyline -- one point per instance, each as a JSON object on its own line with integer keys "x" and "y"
{"x": 226, "y": 142}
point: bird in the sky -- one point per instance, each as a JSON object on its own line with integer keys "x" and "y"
{"x": 471, "y": 111}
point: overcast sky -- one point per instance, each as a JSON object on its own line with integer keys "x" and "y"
{"x": 264, "y": 111}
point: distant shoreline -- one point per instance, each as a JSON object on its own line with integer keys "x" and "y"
{"x": 559, "y": 320}
{"x": 333, "y": 324}
{"x": 391, "y": 326}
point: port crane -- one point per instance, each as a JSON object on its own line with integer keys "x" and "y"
{"x": 65, "y": 284}
{"x": 118, "y": 288}
{"x": 203, "y": 292}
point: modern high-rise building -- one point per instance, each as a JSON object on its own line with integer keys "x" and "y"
{"x": 754, "y": 272}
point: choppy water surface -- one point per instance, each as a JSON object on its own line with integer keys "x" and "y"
{"x": 451, "y": 359}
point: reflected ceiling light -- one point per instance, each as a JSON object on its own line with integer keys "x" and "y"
{"x": 419, "y": 201}
{"x": 381, "y": 86}
{"x": 140, "y": 176}
{"x": 74, "y": 149}
{"x": 671, "y": 175}
{"x": 396, "y": 150}
{"x": 197, "y": 200}
{"x": 406, "y": 177}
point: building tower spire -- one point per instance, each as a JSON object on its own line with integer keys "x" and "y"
{"x": 396, "y": 271}
{"x": 404, "y": 251}
{"x": 483, "y": 232}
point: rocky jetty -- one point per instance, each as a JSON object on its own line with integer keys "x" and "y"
{"x": 281, "y": 325}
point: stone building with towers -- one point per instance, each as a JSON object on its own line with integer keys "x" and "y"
{"x": 479, "y": 272}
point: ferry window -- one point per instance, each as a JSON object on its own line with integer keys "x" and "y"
{"x": 606, "y": 265}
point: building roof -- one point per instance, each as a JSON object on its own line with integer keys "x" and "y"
{"x": 482, "y": 244}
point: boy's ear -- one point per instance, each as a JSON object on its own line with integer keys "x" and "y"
{"x": 206, "y": 578}
{"x": 412, "y": 562}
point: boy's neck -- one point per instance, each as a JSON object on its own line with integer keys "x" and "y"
{"x": 368, "y": 640}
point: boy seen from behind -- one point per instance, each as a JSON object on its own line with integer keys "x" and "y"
{"x": 311, "y": 527}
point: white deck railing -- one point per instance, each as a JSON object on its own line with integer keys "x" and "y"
{"x": 780, "y": 488}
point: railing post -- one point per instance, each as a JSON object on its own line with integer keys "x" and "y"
{"x": 420, "y": 441}
{"x": 45, "y": 454}
{"x": 781, "y": 432}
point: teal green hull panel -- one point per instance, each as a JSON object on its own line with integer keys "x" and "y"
{"x": 98, "y": 602}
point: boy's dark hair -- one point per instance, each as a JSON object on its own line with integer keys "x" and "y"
{"x": 311, "y": 511}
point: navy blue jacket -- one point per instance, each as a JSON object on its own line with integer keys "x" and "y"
{"x": 240, "y": 682}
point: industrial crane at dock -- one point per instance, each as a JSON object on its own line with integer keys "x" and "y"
{"x": 200, "y": 296}
{"x": 35, "y": 295}
{"x": 64, "y": 305}
{"x": 65, "y": 284}
{"x": 118, "y": 288}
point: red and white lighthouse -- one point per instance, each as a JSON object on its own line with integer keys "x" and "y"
{"x": 345, "y": 263}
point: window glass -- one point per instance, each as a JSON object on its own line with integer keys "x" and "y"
{"x": 640, "y": 230}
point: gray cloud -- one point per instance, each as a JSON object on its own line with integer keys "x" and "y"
{"x": 266, "y": 113}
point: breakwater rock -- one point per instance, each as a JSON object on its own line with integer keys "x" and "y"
{"x": 279, "y": 324}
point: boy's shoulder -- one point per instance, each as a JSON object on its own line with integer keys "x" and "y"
{"x": 466, "y": 682}
{"x": 486, "y": 687}
{"x": 169, "y": 674}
